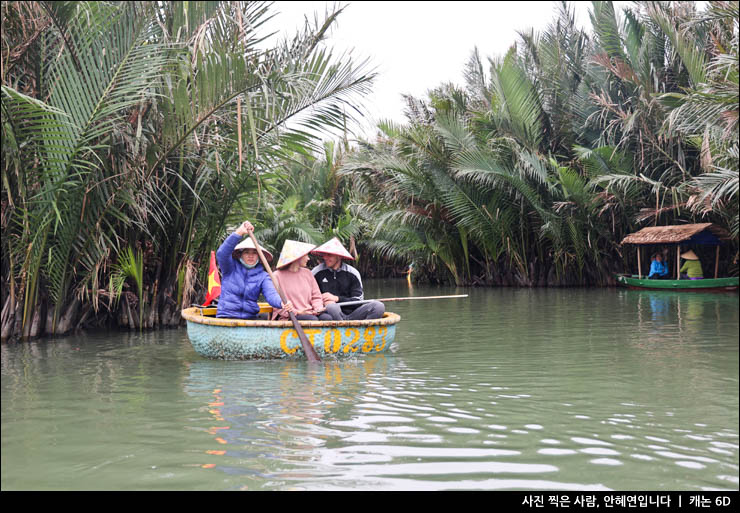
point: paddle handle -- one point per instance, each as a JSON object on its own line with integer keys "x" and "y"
{"x": 386, "y": 299}
{"x": 305, "y": 344}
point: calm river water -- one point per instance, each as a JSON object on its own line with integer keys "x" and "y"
{"x": 509, "y": 389}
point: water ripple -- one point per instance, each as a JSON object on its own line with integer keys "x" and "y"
{"x": 513, "y": 389}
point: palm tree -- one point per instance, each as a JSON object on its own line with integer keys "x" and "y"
{"x": 150, "y": 120}
{"x": 303, "y": 199}
{"x": 543, "y": 162}
{"x": 706, "y": 113}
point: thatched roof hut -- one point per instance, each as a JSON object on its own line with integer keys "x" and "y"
{"x": 701, "y": 233}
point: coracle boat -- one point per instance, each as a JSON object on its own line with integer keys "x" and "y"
{"x": 239, "y": 339}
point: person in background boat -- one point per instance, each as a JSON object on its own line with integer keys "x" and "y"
{"x": 691, "y": 268}
{"x": 298, "y": 284}
{"x": 340, "y": 282}
{"x": 655, "y": 267}
{"x": 243, "y": 278}
{"x": 666, "y": 258}
{"x": 658, "y": 270}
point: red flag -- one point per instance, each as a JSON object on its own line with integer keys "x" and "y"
{"x": 214, "y": 281}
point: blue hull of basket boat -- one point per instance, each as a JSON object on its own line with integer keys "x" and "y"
{"x": 236, "y": 339}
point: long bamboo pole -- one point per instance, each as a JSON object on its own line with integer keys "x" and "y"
{"x": 386, "y": 299}
{"x": 639, "y": 264}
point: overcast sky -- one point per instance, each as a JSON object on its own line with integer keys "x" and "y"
{"x": 416, "y": 46}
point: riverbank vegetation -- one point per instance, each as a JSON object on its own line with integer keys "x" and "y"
{"x": 136, "y": 135}
{"x": 130, "y": 130}
{"x": 533, "y": 171}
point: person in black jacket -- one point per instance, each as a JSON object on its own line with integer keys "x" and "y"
{"x": 340, "y": 282}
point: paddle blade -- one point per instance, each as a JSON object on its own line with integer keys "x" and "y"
{"x": 308, "y": 349}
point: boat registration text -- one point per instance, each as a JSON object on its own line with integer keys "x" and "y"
{"x": 337, "y": 340}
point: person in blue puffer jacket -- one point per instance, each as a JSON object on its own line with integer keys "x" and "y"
{"x": 243, "y": 278}
{"x": 658, "y": 270}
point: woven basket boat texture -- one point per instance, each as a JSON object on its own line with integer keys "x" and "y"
{"x": 238, "y": 339}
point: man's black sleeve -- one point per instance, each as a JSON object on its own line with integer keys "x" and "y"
{"x": 354, "y": 290}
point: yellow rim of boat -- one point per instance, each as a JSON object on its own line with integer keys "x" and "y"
{"x": 196, "y": 314}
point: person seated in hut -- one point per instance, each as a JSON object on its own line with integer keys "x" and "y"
{"x": 340, "y": 282}
{"x": 658, "y": 270}
{"x": 665, "y": 254}
{"x": 298, "y": 284}
{"x": 691, "y": 268}
{"x": 243, "y": 278}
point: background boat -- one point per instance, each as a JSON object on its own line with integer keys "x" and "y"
{"x": 705, "y": 285}
{"x": 657, "y": 238}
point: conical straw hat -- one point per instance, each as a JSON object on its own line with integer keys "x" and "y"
{"x": 689, "y": 255}
{"x": 248, "y": 244}
{"x": 333, "y": 247}
{"x": 292, "y": 251}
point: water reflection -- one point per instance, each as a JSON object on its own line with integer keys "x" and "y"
{"x": 373, "y": 423}
{"x": 511, "y": 389}
{"x": 276, "y": 412}
{"x": 672, "y": 314}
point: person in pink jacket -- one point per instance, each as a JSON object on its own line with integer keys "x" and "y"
{"x": 298, "y": 284}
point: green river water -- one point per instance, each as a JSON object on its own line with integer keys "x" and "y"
{"x": 508, "y": 389}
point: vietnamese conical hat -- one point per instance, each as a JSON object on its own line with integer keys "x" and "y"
{"x": 333, "y": 247}
{"x": 248, "y": 244}
{"x": 292, "y": 251}
{"x": 689, "y": 255}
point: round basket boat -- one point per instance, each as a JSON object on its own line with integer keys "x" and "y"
{"x": 238, "y": 339}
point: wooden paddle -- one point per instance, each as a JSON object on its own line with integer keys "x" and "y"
{"x": 305, "y": 344}
{"x": 348, "y": 303}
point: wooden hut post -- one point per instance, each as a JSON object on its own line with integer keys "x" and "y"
{"x": 678, "y": 261}
{"x": 639, "y": 264}
{"x": 716, "y": 262}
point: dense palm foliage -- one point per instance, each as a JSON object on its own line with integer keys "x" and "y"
{"x": 129, "y": 130}
{"x": 305, "y": 199}
{"x": 136, "y": 134}
{"x": 534, "y": 171}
